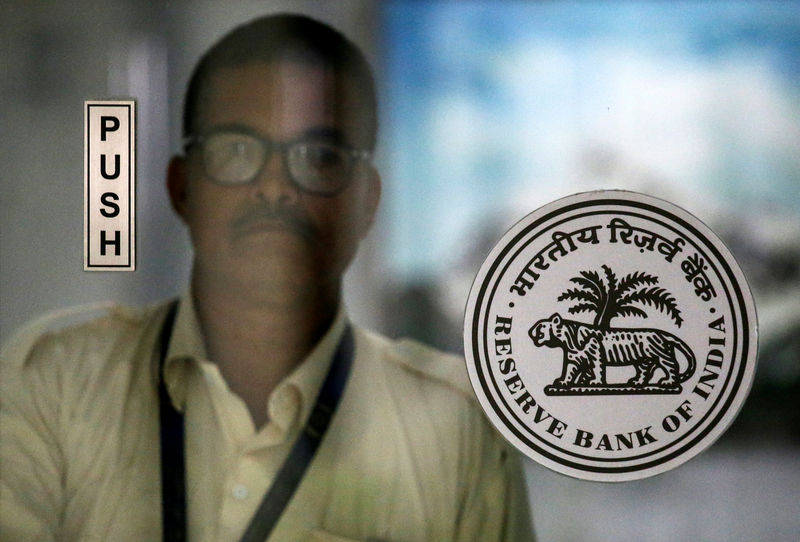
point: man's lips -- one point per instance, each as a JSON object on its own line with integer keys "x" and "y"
{"x": 265, "y": 225}
{"x": 264, "y": 219}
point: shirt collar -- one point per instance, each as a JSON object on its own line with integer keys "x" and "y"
{"x": 307, "y": 378}
{"x": 186, "y": 346}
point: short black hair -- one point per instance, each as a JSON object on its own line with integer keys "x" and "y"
{"x": 285, "y": 37}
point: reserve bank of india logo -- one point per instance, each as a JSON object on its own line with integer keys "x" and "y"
{"x": 610, "y": 336}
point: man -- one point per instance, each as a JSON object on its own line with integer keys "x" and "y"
{"x": 276, "y": 188}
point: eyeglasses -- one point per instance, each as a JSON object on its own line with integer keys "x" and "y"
{"x": 237, "y": 157}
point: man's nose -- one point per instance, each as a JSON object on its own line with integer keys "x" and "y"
{"x": 274, "y": 182}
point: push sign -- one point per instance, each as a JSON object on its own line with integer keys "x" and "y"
{"x": 109, "y": 186}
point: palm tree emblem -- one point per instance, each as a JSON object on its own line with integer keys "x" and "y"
{"x": 590, "y": 348}
{"x": 611, "y": 298}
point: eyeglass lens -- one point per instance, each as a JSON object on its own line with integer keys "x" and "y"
{"x": 235, "y": 158}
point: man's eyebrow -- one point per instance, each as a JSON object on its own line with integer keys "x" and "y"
{"x": 324, "y": 132}
{"x": 233, "y": 127}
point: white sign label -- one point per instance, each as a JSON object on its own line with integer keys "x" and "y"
{"x": 109, "y": 220}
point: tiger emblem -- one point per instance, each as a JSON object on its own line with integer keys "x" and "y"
{"x": 588, "y": 350}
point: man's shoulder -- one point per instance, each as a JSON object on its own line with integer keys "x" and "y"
{"x": 422, "y": 364}
{"x": 95, "y": 329}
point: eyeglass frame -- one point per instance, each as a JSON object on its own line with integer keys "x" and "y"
{"x": 270, "y": 146}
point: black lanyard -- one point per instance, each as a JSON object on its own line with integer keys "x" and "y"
{"x": 173, "y": 467}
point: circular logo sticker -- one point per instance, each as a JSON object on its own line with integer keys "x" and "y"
{"x": 610, "y": 336}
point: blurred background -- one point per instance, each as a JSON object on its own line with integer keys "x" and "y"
{"x": 488, "y": 110}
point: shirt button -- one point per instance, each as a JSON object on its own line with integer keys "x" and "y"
{"x": 240, "y": 492}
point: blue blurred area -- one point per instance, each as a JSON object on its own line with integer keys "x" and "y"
{"x": 494, "y": 108}
{"x": 491, "y": 109}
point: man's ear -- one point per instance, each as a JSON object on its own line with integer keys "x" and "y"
{"x": 372, "y": 198}
{"x": 177, "y": 183}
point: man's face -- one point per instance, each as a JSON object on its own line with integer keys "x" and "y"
{"x": 271, "y": 236}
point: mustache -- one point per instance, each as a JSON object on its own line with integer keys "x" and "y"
{"x": 292, "y": 218}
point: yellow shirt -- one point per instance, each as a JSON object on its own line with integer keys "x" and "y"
{"x": 407, "y": 457}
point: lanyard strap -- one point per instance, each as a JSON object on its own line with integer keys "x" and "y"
{"x": 173, "y": 468}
